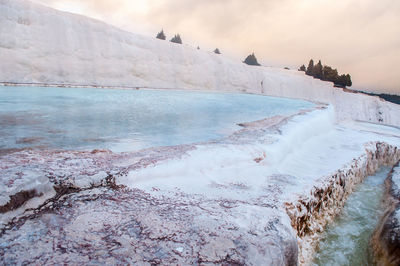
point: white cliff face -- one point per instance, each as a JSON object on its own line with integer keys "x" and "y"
{"x": 42, "y": 45}
{"x": 278, "y": 182}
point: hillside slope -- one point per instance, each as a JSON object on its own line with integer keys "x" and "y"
{"x": 39, "y": 44}
{"x": 43, "y": 45}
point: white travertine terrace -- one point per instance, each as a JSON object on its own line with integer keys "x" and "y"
{"x": 42, "y": 45}
{"x": 260, "y": 196}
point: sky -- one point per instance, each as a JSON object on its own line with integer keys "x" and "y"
{"x": 359, "y": 37}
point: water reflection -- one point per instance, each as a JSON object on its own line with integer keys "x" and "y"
{"x": 124, "y": 120}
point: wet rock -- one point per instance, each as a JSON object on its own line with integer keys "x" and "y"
{"x": 94, "y": 219}
{"x": 311, "y": 213}
{"x": 124, "y": 226}
{"x": 34, "y": 176}
{"x": 18, "y": 199}
{"x": 386, "y": 238}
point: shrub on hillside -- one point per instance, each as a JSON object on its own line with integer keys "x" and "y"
{"x": 303, "y": 68}
{"x": 251, "y": 60}
{"x": 177, "y": 39}
{"x": 161, "y": 35}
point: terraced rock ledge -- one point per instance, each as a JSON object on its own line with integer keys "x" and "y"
{"x": 311, "y": 213}
{"x": 248, "y": 199}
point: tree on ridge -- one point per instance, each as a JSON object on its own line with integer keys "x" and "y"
{"x": 310, "y": 68}
{"x": 161, "y": 35}
{"x": 176, "y": 39}
{"x": 317, "y": 70}
{"x": 251, "y": 60}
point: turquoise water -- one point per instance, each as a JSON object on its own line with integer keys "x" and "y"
{"x": 346, "y": 240}
{"x": 125, "y": 120}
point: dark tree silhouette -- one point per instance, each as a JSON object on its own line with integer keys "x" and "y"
{"x": 161, "y": 35}
{"x": 343, "y": 81}
{"x": 198, "y": 47}
{"x": 251, "y": 60}
{"x": 327, "y": 73}
{"x": 302, "y": 68}
{"x": 387, "y": 97}
{"x": 217, "y": 51}
{"x": 310, "y": 68}
{"x": 348, "y": 80}
{"x": 340, "y": 81}
{"x": 317, "y": 70}
{"x": 177, "y": 39}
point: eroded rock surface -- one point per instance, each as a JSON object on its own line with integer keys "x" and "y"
{"x": 386, "y": 238}
{"x": 90, "y": 218}
{"x": 31, "y": 178}
{"x": 311, "y": 213}
{"x": 248, "y": 199}
{"x": 122, "y": 226}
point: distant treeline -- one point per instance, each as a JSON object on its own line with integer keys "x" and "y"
{"x": 326, "y": 73}
{"x": 387, "y": 97}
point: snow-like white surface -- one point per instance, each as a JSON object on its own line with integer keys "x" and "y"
{"x": 26, "y": 181}
{"x": 310, "y": 147}
{"x": 39, "y": 44}
{"x": 251, "y": 179}
{"x": 396, "y": 179}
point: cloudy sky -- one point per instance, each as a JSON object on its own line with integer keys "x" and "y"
{"x": 360, "y": 37}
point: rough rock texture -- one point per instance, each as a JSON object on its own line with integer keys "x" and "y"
{"x": 91, "y": 219}
{"x": 230, "y": 201}
{"x": 83, "y": 216}
{"x": 101, "y": 222}
{"x": 386, "y": 238}
{"x": 312, "y": 212}
{"x": 18, "y": 199}
{"x": 119, "y": 226}
{"x": 42, "y": 175}
{"x": 251, "y": 198}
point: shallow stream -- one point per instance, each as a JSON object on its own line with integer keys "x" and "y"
{"x": 346, "y": 240}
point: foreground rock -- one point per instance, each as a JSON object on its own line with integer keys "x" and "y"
{"x": 254, "y": 198}
{"x": 386, "y": 238}
{"x": 78, "y": 214}
{"x": 310, "y": 214}
{"x": 129, "y": 227}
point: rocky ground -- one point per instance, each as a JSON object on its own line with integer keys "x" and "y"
{"x": 120, "y": 226}
{"x": 98, "y": 221}
{"x": 248, "y": 199}
{"x": 65, "y": 207}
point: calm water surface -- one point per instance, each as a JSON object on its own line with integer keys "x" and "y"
{"x": 124, "y": 120}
